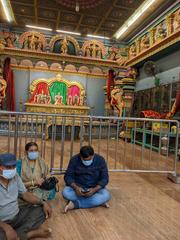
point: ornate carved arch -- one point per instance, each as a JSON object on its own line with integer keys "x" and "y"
{"x": 61, "y": 37}
{"x": 89, "y": 43}
{"x": 41, "y": 38}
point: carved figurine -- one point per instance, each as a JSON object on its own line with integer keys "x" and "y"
{"x": 58, "y": 99}
{"x": 93, "y": 48}
{"x": 64, "y": 46}
{"x": 3, "y": 86}
{"x": 160, "y": 32}
{"x": 145, "y": 42}
{"x": 88, "y": 51}
{"x": 69, "y": 100}
{"x": 117, "y": 100}
{"x": 32, "y": 44}
{"x": 98, "y": 52}
{"x": 132, "y": 51}
{"x": 112, "y": 52}
{"x": 76, "y": 100}
{"x": 176, "y": 22}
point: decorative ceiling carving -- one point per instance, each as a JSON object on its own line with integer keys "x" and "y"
{"x": 101, "y": 17}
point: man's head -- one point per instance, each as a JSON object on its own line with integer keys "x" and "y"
{"x": 7, "y": 165}
{"x": 86, "y": 154}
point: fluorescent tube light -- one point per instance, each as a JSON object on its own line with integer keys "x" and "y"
{"x": 68, "y": 32}
{"x": 138, "y": 13}
{"x": 96, "y": 36}
{"x": 37, "y": 27}
{"x": 6, "y": 10}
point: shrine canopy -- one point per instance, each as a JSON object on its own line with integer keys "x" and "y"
{"x": 56, "y": 91}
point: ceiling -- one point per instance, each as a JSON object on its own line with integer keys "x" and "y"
{"x": 103, "y": 19}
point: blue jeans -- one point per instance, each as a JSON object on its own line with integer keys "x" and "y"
{"x": 97, "y": 199}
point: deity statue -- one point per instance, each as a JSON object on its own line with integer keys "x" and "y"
{"x": 93, "y": 49}
{"x": 160, "y": 32}
{"x": 88, "y": 51}
{"x": 98, "y": 52}
{"x": 42, "y": 98}
{"x": 32, "y": 44}
{"x": 117, "y": 100}
{"x": 38, "y": 44}
{"x": 132, "y": 51}
{"x": 69, "y": 100}
{"x": 3, "y": 86}
{"x": 176, "y": 21}
{"x": 58, "y": 99}
{"x": 2, "y": 43}
{"x": 76, "y": 100}
{"x": 112, "y": 52}
{"x": 64, "y": 46}
{"x": 145, "y": 42}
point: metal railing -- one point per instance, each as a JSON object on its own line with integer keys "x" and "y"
{"x": 127, "y": 144}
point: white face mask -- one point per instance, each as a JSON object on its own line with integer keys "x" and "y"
{"x": 9, "y": 173}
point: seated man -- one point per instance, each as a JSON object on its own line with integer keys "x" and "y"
{"x": 86, "y": 178}
{"x": 24, "y": 223}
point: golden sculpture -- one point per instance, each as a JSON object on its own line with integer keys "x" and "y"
{"x": 176, "y": 22}
{"x": 132, "y": 51}
{"x": 160, "y": 32}
{"x": 145, "y": 42}
{"x": 58, "y": 99}
{"x": 64, "y": 46}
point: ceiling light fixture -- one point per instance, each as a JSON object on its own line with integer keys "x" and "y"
{"x": 138, "y": 13}
{"x": 96, "y": 36}
{"x": 37, "y": 27}
{"x": 68, "y": 32}
{"x": 8, "y": 10}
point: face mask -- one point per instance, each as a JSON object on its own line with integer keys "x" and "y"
{"x": 33, "y": 155}
{"x": 87, "y": 162}
{"x": 9, "y": 173}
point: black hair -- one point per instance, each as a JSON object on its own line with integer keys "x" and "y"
{"x": 30, "y": 144}
{"x": 86, "y": 151}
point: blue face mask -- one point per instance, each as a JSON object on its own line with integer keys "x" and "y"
{"x": 9, "y": 173}
{"x": 33, "y": 155}
{"x": 87, "y": 162}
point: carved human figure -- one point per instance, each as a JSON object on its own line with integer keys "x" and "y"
{"x": 145, "y": 42}
{"x": 42, "y": 98}
{"x": 112, "y": 53}
{"x": 76, "y": 100}
{"x": 64, "y": 46}
{"x": 98, "y": 52}
{"x": 32, "y": 42}
{"x": 93, "y": 48}
{"x": 132, "y": 50}
{"x": 69, "y": 100}
{"x": 58, "y": 99}
{"x": 160, "y": 32}
{"x": 176, "y": 21}
{"x": 117, "y": 100}
{"x": 3, "y": 86}
{"x": 88, "y": 51}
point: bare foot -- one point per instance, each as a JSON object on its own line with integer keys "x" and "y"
{"x": 69, "y": 206}
{"x": 39, "y": 233}
{"x": 106, "y": 205}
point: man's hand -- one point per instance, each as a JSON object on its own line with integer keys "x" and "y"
{"x": 90, "y": 192}
{"x": 47, "y": 210}
{"x": 79, "y": 191}
{"x": 10, "y": 233}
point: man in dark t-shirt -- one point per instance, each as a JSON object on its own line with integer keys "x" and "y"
{"x": 86, "y": 178}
